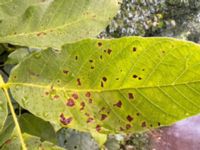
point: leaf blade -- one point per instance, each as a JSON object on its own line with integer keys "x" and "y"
{"x": 122, "y": 93}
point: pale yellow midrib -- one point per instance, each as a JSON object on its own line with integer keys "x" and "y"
{"x": 95, "y": 90}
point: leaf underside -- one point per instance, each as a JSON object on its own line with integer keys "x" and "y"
{"x": 111, "y": 86}
{"x": 52, "y": 23}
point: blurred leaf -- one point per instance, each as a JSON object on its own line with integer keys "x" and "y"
{"x": 32, "y": 143}
{"x": 51, "y": 23}
{"x": 37, "y": 127}
{"x": 3, "y": 105}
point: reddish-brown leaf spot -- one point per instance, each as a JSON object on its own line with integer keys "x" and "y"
{"x": 46, "y": 93}
{"x": 64, "y": 120}
{"x": 104, "y": 79}
{"x": 139, "y": 78}
{"x": 104, "y": 51}
{"x": 103, "y": 117}
{"x": 159, "y": 124}
{"x": 90, "y": 61}
{"x": 90, "y": 119}
{"x": 100, "y": 44}
{"x": 70, "y": 102}
{"x": 92, "y": 67}
{"x": 100, "y": 56}
{"x": 78, "y": 82}
{"x": 134, "y": 49}
{"x": 88, "y": 94}
{"x": 65, "y": 71}
{"x": 118, "y": 104}
{"x": 98, "y": 128}
{"x": 134, "y": 76}
{"x": 151, "y": 125}
{"x": 129, "y": 118}
{"x": 109, "y": 51}
{"x": 130, "y": 96}
{"x": 128, "y": 126}
{"x": 82, "y": 105}
{"x": 144, "y": 124}
{"x": 75, "y": 96}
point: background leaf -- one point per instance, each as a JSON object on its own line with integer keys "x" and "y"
{"x": 121, "y": 85}
{"x": 37, "y": 127}
{"x": 51, "y": 23}
{"x": 32, "y": 143}
{"x": 3, "y": 105}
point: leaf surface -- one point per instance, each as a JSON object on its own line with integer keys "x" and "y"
{"x": 110, "y": 86}
{"x": 51, "y": 23}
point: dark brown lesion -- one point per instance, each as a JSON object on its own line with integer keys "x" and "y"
{"x": 64, "y": 120}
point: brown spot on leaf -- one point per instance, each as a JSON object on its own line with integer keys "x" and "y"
{"x": 159, "y": 124}
{"x": 100, "y": 56}
{"x": 75, "y": 95}
{"x": 130, "y": 96}
{"x": 76, "y": 57}
{"x": 90, "y": 119}
{"x": 88, "y": 94}
{"x": 102, "y": 85}
{"x": 100, "y": 44}
{"x": 134, "y": 49}
{"x": 70, "y": 102}
{"x": 134, "y": 76}
{"x": 90, "y": 101}
{"x": 129, "y": 118}
{"x": 56, "y": 97}
{"x": 65, "y": 71}
{"x": 118, "y": 104}
{"x": 144, "y": 124}
{"x": 64, "y": 120}
{"x": 82, "y": 105}
{"x": 78, "y": 82}
{"x": 137, "y": 114}
{"x": 104, "y": 79}
{"x": 109, "y": 51}
{"x": 46, "y": 93}
{"x": 121, "y": 129}
{"x": 92, "y": 67}
{"x": 128, "y": 126}
{"x": 139, "y": 78}
{"x": 41, "y": 33}
{"x": 98, "y": 128}
{"x": 90, "y": 61}
{"x": 103, "y": 117}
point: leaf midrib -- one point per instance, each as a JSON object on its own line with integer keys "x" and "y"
{"x": 96, "y": 90}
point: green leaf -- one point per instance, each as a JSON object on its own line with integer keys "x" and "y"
{"x": 3, "y": 105}
{"x": 32, "y": 143}
{"x": 37, "y": 127}
{"x": 7, "y": 130}
{"x": 51, "y": 23}
{"x": 17, "y": 56}
{"x": 120, "y": 85}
